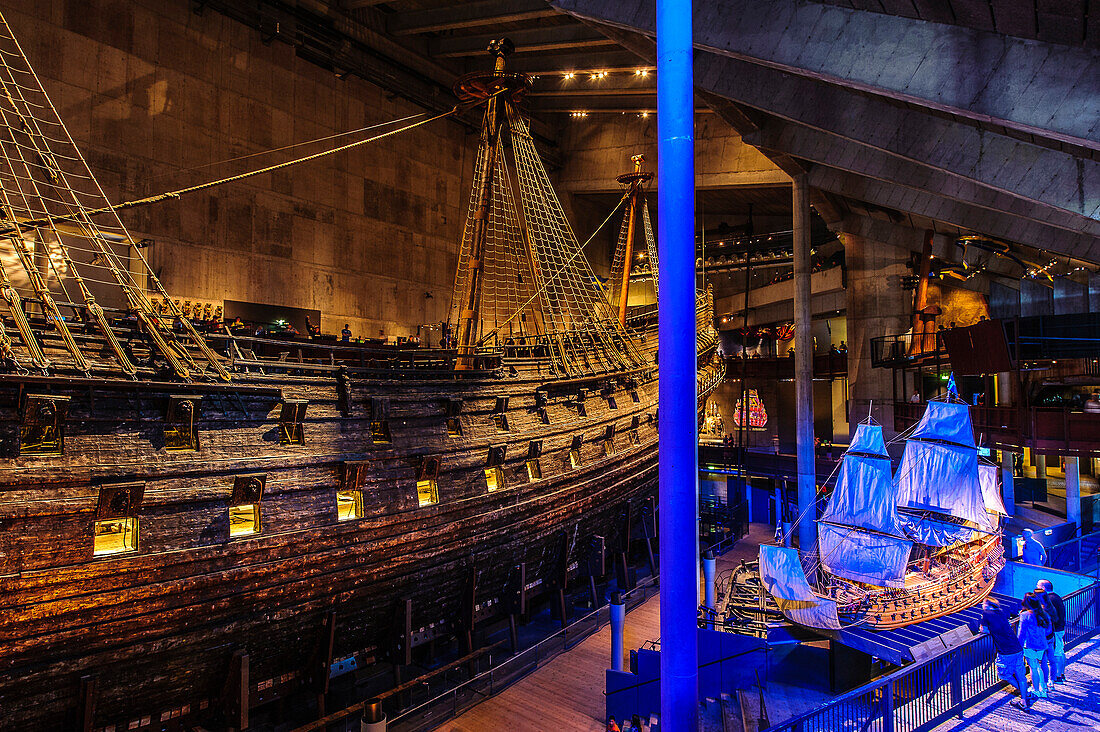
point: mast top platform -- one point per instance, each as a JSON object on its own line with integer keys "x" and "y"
{"x": 479, "y": 85}
{"x": 637, "y": 175}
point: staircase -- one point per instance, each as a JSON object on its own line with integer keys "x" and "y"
{"x": 720, "y": 715}
{"x": 1090, "y": 551}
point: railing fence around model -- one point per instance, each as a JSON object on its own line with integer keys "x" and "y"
{"x": 920, "y": 697}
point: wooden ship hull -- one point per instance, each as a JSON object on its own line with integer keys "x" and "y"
{"x": 158, "y": 628}
{"x": 964, "y": 579}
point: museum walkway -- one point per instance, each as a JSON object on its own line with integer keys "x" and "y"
{"x": 568, "y": 692}
{"x": 1074, "y": 705}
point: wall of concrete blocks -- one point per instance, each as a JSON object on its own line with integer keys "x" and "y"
{"x": 598, "y": 148}
{"x": 154, "y": 93}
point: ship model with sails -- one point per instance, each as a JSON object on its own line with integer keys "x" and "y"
{"x": 896, "y": 550}
{"x": 190, "y": 530}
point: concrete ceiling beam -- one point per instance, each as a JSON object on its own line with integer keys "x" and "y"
{"x": 649, "y": 93}
{"x": 850, "y": 155}
{"x": 1029, "y": 171}
{"x": 461, "y": 16}
{"x": 1000, "y": 225}
{"x": 1033, "y": 87}
{"x": 531, "y": 40}
{"x": 613, "y": 60}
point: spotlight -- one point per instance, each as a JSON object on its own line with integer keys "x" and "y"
{"x": 569, "y": 76}
{"x": 644, "y": 115}
{"x": 641, "y": 72}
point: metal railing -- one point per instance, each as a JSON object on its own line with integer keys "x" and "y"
{"x": 919, "y": 697}
{"x": 453, "y": 702}
{"x": 1055, "y": 430}
{"x": 1080, "y": 555}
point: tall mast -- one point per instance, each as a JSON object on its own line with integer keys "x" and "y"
{"x": 468, "y": 317}
{"x": 635, "y": 180}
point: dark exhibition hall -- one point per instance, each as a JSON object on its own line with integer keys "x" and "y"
{"x": 549, "y": 365}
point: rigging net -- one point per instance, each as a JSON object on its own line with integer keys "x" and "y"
{"x": 60, "y": 267}
{"x": 535, "y": 284}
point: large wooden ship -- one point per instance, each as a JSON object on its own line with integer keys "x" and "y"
{"x": 895, "y": 551}
{"x": 189, "y": 530}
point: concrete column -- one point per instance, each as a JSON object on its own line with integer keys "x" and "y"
{"x": 803, "y": 369}
{"x": 877, "y": 306}
{"x": 710, "y": 567}
{"x": 1073, "y": 490}
{"x": 1040, "y": 465}
{"x": 1004, "y": 389}
{"x": 1008, "y": 482}
{"x": 678, "y": 470}
{"x": 618, "y": 626}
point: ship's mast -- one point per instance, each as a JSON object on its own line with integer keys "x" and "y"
{"x": 635, "y": 180}
{"x": 468, "y": 317}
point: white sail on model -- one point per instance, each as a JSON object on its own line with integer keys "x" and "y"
{"x": 939, "y": 475}
{"x": 860, "y": 536}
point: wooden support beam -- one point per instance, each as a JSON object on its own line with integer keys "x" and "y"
{"x": 403, "y": 640}
{"x": 457, "y": 16}
{"x": 527, "y": 41}
{"x": 235, "y": 699}
{"x": 317, "y": 672}
{"x": 89, "y": 695}
{"x": 403, "y": 688}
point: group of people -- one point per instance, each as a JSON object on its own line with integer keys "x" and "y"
{"x": 634, "y": 725}
{"x": 1037, "y": 645}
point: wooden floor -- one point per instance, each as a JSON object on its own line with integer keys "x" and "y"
{"x": 568, "y": 692}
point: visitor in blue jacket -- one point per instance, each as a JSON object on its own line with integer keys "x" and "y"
{"x": 1034, "y": 552}
{"x": 1032, "y": 634}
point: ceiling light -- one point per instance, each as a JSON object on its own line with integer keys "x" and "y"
{"x": 644, "y": 115}
{"x": 569, "y": 76}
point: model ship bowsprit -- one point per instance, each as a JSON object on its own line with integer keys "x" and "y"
{"x": 892, "y": 552}
{"x": 191, "y": 530}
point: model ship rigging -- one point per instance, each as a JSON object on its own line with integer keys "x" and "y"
{"x": 193, "y": 530}
{"x": 896, "y": 551}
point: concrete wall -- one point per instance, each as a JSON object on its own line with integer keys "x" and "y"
{"x": 596, "y": 149}
{"x": 877, "y": 306}
{"x": 152, "y": 91}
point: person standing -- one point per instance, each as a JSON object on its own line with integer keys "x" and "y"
{"x": 1032, "y": 635}
{"x": 345, "y": 334}
{"x": 1058, "y": 621}
{"x": 1034, "y": 552}
{"x": 1010, "y": 654}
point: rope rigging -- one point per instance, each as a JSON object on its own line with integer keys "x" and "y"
{"x": 62, "y": 232}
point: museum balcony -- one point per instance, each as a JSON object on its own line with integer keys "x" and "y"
{"x": 830, "y": 365}
{"x": 1054, "y": 430}
{"x": 1030, "y": 379}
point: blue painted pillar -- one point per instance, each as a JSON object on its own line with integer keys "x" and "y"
{"x": 678, "y": 470}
